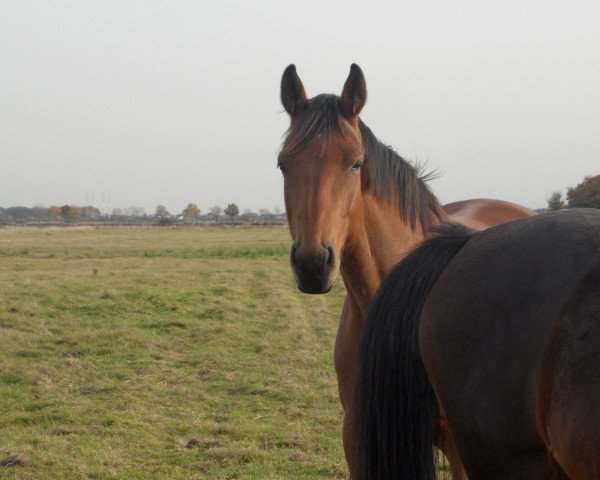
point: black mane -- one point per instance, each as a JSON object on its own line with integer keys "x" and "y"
{"x": 385, "y": 173}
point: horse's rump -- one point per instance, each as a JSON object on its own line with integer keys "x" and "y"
{"x": 485, "y": 328}
{"x": 570, "y": 390}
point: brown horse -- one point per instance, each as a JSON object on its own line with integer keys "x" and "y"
{"x": 501, "y": 328}
{"x": 355, "y": 206}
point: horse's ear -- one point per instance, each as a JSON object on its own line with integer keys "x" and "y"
{"x": 293, "y": 96}
{"x": 354, "y": 95}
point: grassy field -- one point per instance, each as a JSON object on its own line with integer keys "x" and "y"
{"x": 136, "y": 353}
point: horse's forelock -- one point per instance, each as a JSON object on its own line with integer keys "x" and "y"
{"x": 319, "y": 119}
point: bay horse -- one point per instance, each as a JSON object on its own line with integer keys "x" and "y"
{"x": 355, "y": 206}
{"x": 501, "y": 329}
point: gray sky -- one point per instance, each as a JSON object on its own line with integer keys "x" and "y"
{"x": 177, "y": 101}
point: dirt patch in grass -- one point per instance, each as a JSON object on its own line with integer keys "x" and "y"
{"x": 203, "y": 443}
{"x": 12, "y": 461}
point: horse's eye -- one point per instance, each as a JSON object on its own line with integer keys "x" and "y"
{"x": 282, "y": 168}
{"x": 356, "y": 166}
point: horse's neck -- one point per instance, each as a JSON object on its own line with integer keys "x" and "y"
{"x": 379, "y": 240}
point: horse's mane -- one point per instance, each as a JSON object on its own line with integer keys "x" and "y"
{"x": 386, "y": 173}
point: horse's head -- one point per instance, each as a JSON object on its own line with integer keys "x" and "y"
{"x": 321, "y": 162}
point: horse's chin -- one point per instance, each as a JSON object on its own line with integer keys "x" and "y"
{"x": 315, "y": 291}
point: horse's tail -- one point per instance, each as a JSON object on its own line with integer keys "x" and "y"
{"x": 394, "y": 409}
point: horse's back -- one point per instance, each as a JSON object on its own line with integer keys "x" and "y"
{"x": 569, "y": 414}
{"x": 485, "y": 326}
{"x": 481, "y": 213}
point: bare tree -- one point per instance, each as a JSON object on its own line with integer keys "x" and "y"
{"x": 216, "y": 210}
{"x": 134, "y": 211}
{"x": 161, "y": 212}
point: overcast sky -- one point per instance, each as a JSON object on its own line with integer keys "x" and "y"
{"x": 168, "y": 102}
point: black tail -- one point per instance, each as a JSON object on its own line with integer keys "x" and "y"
{"x": 394, "y": 408}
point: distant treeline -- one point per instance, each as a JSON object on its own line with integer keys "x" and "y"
{"x": 74, "y": 214}
{"x": 584, "y": 195}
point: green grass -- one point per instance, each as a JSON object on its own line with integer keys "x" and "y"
{"x": 177, "y": 353}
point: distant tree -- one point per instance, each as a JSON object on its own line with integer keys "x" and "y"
{"x": 555, "y": 201}
{"x": 264, "y": 211}
{"x": 53, "y": 211}
{"x": 117, "y": 212}
{"x": 70, "y": 211}
{"x": 74, "y": 211}
{"x": 216, "y": 210}
{"x": 135, "y": 211}
{"x": 586, "y": 194}
{"x": 232, "y": 210}
{"x": 248, "y": 216}
{"x": 161, "y": 212}
{"x": 91, "y": 212}
{"x": 19, "y": 213}
{"x": 165, "y": 221}
{"x": 277, "y": 210}
{"x": 39, "y": 211}
{"x": 191, "y": 211}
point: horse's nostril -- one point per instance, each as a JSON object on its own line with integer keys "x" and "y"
{"x": 330, "y": 256}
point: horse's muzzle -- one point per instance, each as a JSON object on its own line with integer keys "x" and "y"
{"x": 313, "y": 268}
